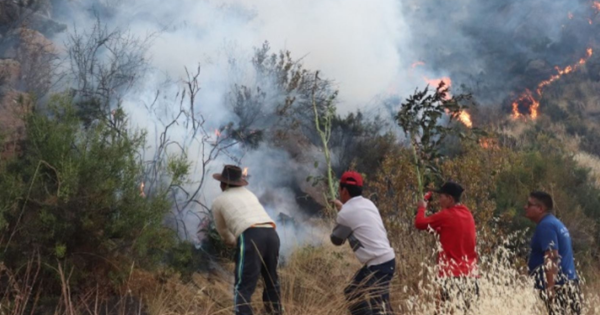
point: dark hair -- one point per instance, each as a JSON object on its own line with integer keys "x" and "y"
{"x": 353, "y": 190}
{"x": 544, "y": 198}
{"x": 230, "y": 185}
{"x": 456, "y": 198}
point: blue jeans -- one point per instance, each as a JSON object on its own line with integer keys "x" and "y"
{"x": 369, "y": 291}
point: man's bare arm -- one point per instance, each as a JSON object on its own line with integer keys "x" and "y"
{"x": 551, "y": 261}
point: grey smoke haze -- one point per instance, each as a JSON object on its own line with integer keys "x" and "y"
{"x": 367, "y": 47}
{"x": 356, "y": 43}
{"x": 498, "y": 47}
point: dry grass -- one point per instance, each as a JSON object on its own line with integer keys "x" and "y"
{"x": 591, "y": 162}
{"x": 312, "y": 282}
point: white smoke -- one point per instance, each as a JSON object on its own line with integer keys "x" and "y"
{"x": 356, "y": 43}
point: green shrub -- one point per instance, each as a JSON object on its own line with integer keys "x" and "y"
{"x": 73, "y": 198}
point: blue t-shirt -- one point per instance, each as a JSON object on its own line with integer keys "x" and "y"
{"x": 551, "y": 234}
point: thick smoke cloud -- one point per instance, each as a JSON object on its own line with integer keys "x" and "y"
{"x": 356, "y": 43}
{"x": 496, "y": 48}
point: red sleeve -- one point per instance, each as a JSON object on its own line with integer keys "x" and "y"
{"x": 434, "y": 221}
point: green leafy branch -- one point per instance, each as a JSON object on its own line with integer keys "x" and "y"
{"x": 420, "y": 119}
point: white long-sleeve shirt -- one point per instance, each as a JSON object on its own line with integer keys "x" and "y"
{"x": 235, "y": 210}
{"x": 369, "y": 238}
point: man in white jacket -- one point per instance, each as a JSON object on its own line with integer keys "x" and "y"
{"x": 242, "y": 222}
{"x": 359, "y": 222}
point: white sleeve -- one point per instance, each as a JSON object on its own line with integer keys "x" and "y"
{"x": 344, "y": 219}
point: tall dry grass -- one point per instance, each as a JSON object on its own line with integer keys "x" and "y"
{"x": 312, "y": 282}
{"x": 314, "y": 277}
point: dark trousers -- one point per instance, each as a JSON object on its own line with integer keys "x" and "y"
{"x": 257, "y": 254}
{"x": 369, "y": 291}
{"x": 567, "y": 299}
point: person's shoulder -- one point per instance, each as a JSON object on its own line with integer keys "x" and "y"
{"x": 550, "y": 224}
{"x": 218, "y": 200}
{"x": 461, "y": 207}
{"x": 550, "y": 221}
{"x": 366, "y": 202}
{"x": 361, "y": 204}
{"x": 350, "y": 208}
{"x": 242, "y": 191}
{"x": 558, "y": 224}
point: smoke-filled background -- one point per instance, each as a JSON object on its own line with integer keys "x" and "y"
{"x": 373, "y": 53}
{"x": 115, "y": 114}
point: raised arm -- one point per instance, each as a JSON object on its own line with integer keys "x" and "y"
{"x": 434, "y": 221}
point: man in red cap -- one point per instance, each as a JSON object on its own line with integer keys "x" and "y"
{"x": 241, "y": 221}
{"x": 457, "y": 261}
{"x": 359, "y": 222}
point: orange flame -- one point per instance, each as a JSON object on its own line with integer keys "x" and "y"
{"x": 566, "y": 70}
{"x": 590, "y": 21}
{"x": 417, "y": 63}
{"x": 526, "y": 97}
{"x": 465, "y": 118}
{"x": 142, "y": 185}
{"x": 596, "y": 5}
{"x": 217, "y": 133}
{"x": 534, "y": 104}
{"x": 488, "y": 143}
{"x": 435, "y": 82}
{"x": 533, "y": 110}
{"x": 245, "y": 172}
{"x": 515, "y": 110}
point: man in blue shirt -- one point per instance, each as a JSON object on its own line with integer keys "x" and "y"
{"x": 551, "y": 260}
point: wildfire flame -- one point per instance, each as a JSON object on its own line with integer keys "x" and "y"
{"x": 217, "y": 133}
{"x": 596, "y": 5}
{"x": 417, "y": 63}
{"x": 488, "y": 143}
{"x": 435, "y": 82}
{"x": 245, "y": 172}
{"x": 527, "y": 96}
{"x": 465, "y": 118}
{"x": 142, "y": 185}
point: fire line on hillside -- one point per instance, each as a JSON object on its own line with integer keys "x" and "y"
{"x": 531, "y": 101}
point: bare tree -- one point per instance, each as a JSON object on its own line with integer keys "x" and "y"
{"x": 104, "y": 65}
{"x": 171, "y": 162}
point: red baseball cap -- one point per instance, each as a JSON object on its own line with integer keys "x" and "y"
{"x": 351, "y": 178}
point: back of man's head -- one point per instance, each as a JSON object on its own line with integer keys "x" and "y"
{"x": 544, "y": 198}
{"x": 353, "y": 182}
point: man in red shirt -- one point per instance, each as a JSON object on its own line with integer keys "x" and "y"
{"x": 457, "y": 261}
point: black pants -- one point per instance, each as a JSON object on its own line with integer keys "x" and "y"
{"x": 567, "y": 299}
{"x": 257, "y": 254}
{"x": 369, "y": 291}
